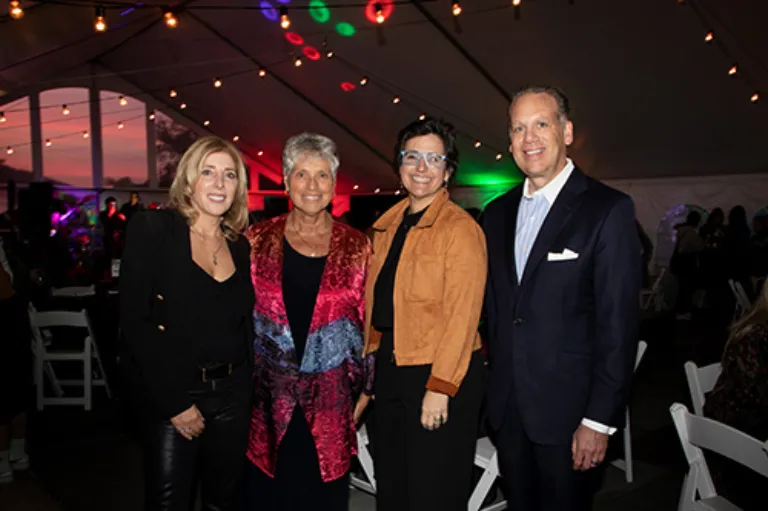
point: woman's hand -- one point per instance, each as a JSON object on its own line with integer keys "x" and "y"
{"x": 190, "y": 423}
{"x": 362, "y": 404}
{"x": 434, "y": 410}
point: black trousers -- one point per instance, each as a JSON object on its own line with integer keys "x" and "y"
{"x": 174, "y": 465}
{"x": 417, "y": 469}
{"x": 538, "y": 477}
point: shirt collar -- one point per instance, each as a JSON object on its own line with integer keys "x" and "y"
{"x": 552, "y": 189}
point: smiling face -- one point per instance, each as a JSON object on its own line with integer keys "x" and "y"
{"x": 538, "y": 137}
{"x": 215, "y": 186}
{"x": 311, "y": 184}
{"x": 422, "y": 181}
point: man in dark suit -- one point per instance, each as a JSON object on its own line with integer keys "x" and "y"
{"x": 562, "y": 300}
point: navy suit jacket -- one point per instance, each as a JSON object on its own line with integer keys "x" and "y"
{"x": 562, "y": 341}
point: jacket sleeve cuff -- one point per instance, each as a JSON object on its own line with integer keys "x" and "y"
{"x": 596, "y": 426}
{"x": 443, "y": 387}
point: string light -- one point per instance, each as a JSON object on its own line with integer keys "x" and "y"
{"x": 120, "y": 125}
{"x": 396, "y": 100}
{"x": 183, "y": 106}
{"x": 16, "y": 12}
{"x": 397, "y": 192}
{"x": 297, "y": 61}
{"x": 285, "y": 21}
{"x": 377, "y": 190}
{"x": 217, "y": 83}
{"x": 260, "y": 153}
{"x": 709, "y": 37}
{"x": 456, "y": 8}
{"x": 100, "y": 25}
{"x": 10, "y": 149}
{"x": 170, "y": 20}
{"x": 123, "y": 101}
{"x": 498, "y": 156}
{"x": 85, "y": 134}
{"x": 2, "y": 117}
{"x": 173, "y": 93}
{"x": 379, "y": 13}
{"x": 356, "y": 187}
{"x": 364, "y": 81}
{"x": 152, "y": 117}
{"x": 64, "y": 110}
{"x": 422, "y": 117}
{"x": 733, "y": 70}
{"x": 516, "y": 3}
{"x": 206, "y": 123}
{"x": 262, "y": 72}
{"x": 235, "y": 138}
{"x": 48, "y": 143}
{"x": 477, "y": 144}
{"x": 755, "y": 97}
{"x": 329, "y": 54}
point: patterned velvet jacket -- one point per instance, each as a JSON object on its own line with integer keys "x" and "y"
{"x": 330, "y": 377}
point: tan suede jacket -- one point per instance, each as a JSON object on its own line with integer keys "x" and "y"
{"x": 439, "y": 287}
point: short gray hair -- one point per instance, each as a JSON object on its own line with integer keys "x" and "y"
{"x": 561, "y": 100}
{"x": 309, "y": 144}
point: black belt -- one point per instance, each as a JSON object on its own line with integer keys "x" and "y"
{"x": 218, "y": 371}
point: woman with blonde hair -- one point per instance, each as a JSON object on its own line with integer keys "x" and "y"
{"x": 740, "y": 400}
{"x": 186, "y": 304}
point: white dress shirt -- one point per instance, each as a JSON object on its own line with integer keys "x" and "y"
{"x": 533, "y": 211}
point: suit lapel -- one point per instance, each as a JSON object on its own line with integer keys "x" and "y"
{"x": 559, "y": 215}
{"x": 510, "y": 232}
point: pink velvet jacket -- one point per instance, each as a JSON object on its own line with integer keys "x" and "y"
{"x": 329, "y": 378}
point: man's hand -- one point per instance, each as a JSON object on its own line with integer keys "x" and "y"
{"x": 189, "y": 423}
{"x": 362, "y": 404}
{"x": 434, "y": 410}
{"x": 588, "y": 448}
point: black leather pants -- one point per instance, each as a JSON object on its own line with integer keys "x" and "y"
{"x": 215, "y": 459}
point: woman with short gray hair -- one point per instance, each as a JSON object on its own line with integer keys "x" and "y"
{"x": 309, "y": 276}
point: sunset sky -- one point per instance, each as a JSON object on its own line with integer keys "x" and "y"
{"x": 68, "y": 158}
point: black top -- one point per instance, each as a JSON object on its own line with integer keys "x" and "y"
{"x": 383, "y": 317}
{"x": 160, "y": 310}
{"x": 221, "y": 337}
{"x": 301, "y": 283}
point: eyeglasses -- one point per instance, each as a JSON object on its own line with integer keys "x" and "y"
{"x": 411, "y": 158}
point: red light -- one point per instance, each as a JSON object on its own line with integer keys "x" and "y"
{"x": 386, "y": 9}
{"x": 347, "y": 86}
{"x": 294, "y": 38}
{"x": 311, "y": 53}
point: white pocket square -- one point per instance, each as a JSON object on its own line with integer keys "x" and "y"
{"x": 565, "y": 255}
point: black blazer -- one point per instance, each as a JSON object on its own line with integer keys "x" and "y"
{"x": 562, "y": 342}
{"x": 157, "y": 316}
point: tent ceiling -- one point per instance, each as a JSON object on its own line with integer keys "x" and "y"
{"x": 649, "y": 97}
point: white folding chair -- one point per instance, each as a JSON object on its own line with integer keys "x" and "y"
{"x": 697, "y": 433}
{"x": 654, "y": 296}
{"x": 742, "y": 300}
{"x": 701, "y": 380}
{"x": 626, "y": 463}
{"x": 44, "y": 355}
{"x": 487, "y": 459}
{"x": 366, "y": 461}
{"x": 73, "y": 291}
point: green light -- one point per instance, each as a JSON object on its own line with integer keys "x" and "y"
{"x": 345, "y": 29}
{"x": 491, "y": 178}
{"x": 319, "y": 11}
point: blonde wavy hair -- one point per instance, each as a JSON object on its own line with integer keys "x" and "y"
{"x": 236, "y": 218}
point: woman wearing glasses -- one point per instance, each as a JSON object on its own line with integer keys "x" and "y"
{"x": 423, "y": 300}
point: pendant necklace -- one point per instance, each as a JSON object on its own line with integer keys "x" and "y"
{"x": 215, "y": 252}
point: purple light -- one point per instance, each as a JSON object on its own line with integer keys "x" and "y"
{"x": 283, "y": 1}
{"x": 269, "y": 11}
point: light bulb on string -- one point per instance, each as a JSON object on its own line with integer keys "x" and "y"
{"x": 16, "y": 12}
{"x": 397, "y": 192}
{"x": 364, "y": 81}
{"x": 297, "y": 61}
{"x": 709, "y": 37}
{"x": 356, "y": 187}
{"x": 85, "y": 134}
{"x": 206, "y": 123}
{"x": 262, "y": 72}
{"x": 9, "y": 150}
{"x": 477, "y": 144}
{"x": 152, "y": 117}
{"x": 64, "y": 110}
{"x": 755, "y": 97}
{"x": 498, "y": 156}
{"x": 285, "y": 21}
{"x": 100, "y": 24}
{"x": 260, "y": 153}
{"x": 422, "y": 117}
{"x": 379, "y": 13}
{"x": 516, "y": 3}
{"x": 377, "y": 190}
{"x": 329, "y": 54}
{"x": 2, "y": 117}
{"x": 235, "y": 138}
{"x": 123, "y": 101}
{"x": 733, "y": 70}
{"x": 183, "y": 106}
{"x": 396, "y": 100}
{"x": 217, "y": 83}
{"x": 48, "y": 143}
{"x": 170, "y": 19}
{"x": 120, "y": 125}
{"x": 456, "y": 9}
{"x": 173, "y": 93}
